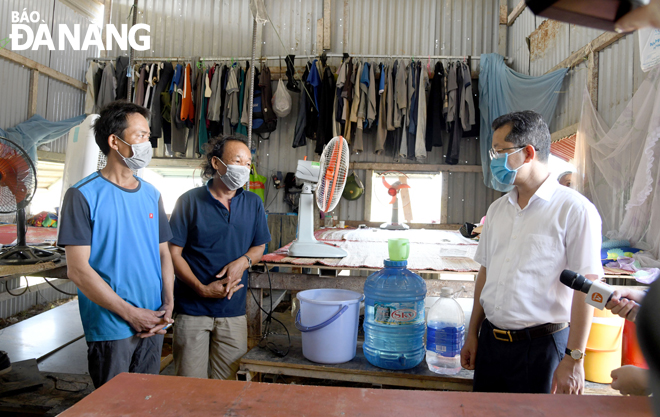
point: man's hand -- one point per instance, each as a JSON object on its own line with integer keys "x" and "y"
{"x": 221, "y": 288}
{"x": 469, "y": 352}
{"x": 143, "y": 320}
{"x": 233, "y": 272}
{"x": 631, "y": 380}
{"x": 164, "y": 321}
{"x": 641, "y": 17}
{"x": 625, "y": 303}
{"x": 568, "y": 377}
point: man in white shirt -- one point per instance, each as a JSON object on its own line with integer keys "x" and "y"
{"x": 519, "y": 338}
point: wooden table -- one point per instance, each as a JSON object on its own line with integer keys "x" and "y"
{"x": 141, "y": 395}
{"x": 55, "y": 269}
{"x": 358, "y": 369}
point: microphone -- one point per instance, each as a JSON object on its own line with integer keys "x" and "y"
{"x": 598, "y": 293}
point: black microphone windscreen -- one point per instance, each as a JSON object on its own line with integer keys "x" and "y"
{"x": 568, "y": 278}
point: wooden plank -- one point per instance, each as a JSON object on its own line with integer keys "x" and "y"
{"x": 368, "y": 192}
{"x": 592, "y": 78}
{"x": 25, "y": 340}
{"x": 382, "y": 166}
{"x": 166, "y": 361}
{"x": 139, "y": 395}
{"x": 564, "y": 133}
{"x": 327, "y": 13}
{"x": 442, "y": 226}
{"x": 50, "y": 156}
{"x": 300, "y": 282}
{"x": 319, "y": 36}
{"x": 597, "y": 45}
{"x": 277, "y": 296}
{"x": 504, "y": 12}
{"x": 517, "y": 11}
{"x": 444, "y": 200}
{"x": 405, "y": 200}
{"x": 33, "y": 93}
{"x": 356, "y": 370}
{"x": 30, "y": 64}
{"x": 176, "y": 162}
{"x": 253, "y": 313}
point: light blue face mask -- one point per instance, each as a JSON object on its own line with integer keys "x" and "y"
{"x": 500, "y": 170}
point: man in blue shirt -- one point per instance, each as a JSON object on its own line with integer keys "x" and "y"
{"x": 115, "y": 230}
{"x": 219, "y": 231}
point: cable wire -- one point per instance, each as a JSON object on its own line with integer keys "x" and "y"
{"x": 263, "y": 343}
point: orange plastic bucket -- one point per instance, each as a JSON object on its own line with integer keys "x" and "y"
{"x": 603, "y": 353}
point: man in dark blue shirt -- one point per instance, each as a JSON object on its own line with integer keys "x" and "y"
{"x": 115, "y": 231}
{"x": 219, "y": 230}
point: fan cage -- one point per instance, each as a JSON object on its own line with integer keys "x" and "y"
{"x": 18, "y": 177}
{"x": 334, "y": 172}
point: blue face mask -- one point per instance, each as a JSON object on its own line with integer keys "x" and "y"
{"x": 500, "y": 170}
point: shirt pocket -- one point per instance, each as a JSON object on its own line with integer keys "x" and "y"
{"x": 536, "y": 262}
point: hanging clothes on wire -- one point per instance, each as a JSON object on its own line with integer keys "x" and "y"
{"x": 327, "y": 94}
{"x": 164, "y": 81}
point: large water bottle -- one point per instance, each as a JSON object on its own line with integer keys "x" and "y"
{"x": 394, "y": 313}
{"x": 445, "y": 329}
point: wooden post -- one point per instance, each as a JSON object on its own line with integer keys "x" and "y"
{"x": 592, "y": 78}
{"x": 327, "y": 12}
{"x": 319, "y": 36}
{"x": 254, "y": 317}
{"x": 107, "y": 13}
{"x": 368, "y": 190}
{"x": 503, "y": 28}
{"x": 444, "y": 199}
{"x": 33, "y": 95}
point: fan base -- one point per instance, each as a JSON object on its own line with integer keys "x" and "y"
{"x": 25, "y": 255}
{"x": 315, "y": 250}
{"x": 394, "y": 226}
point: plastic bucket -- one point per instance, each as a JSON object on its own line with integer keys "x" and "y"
{"x": 603, "y": 353}
{"x": 328, "y": 320}
{"x": 632, "y": 354}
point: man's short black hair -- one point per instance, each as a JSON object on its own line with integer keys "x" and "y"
{"x": 114, "y": 120}
{"x": 527, "y": 128}
{"x": 216, "y": 147}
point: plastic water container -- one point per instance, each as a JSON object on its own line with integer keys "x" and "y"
{"x": 394, "y": 317}
{"x": 445, "y": 329}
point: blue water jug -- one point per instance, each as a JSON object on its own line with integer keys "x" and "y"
{"x": 394, "y": 323}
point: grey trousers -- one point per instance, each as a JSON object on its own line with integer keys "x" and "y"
{"x": 110, "y": 358}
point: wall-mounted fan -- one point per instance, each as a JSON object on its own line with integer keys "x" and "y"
{"x": 18, "y": 183}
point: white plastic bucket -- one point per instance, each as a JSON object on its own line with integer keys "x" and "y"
{"x": 328, "y": 320}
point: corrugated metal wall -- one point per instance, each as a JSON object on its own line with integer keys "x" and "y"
{"x": 56, "y": 100}
{"x": 37, "y": 294}
{"x": 417, "y": 27}
{"x": 619, "y": 69}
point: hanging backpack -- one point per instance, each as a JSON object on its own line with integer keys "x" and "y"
{"x": 259, "y": 125}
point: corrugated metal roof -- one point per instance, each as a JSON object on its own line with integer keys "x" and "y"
{"x": 564, "y": 148}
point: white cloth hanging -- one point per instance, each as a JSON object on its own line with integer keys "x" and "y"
{"x": 619, "y": 168}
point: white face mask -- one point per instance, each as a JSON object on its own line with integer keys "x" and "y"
{"x": 142, "y": 154}
{"x": 236, "y": 176}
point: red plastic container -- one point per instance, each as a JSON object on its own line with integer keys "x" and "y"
{"x": 631, "y": 353}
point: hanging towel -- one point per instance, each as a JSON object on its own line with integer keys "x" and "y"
{"x": 502, "y": 91}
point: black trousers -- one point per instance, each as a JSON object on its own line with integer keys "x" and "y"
{"x": 525, "y": 366}
{"x": 110, "y": 358}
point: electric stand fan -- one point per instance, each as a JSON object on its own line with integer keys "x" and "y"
{"x": 393, "y": 191}
{"x": 18, "y": 183}
{"x": 328, "y": 178}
